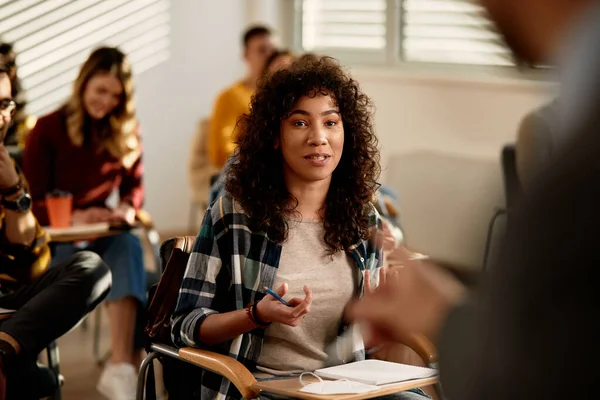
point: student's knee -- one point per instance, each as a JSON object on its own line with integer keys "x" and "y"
{"x": 89, "y": 268}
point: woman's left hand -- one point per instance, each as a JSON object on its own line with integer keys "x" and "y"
{"x": 369, "y": 287}
{"x": 370, "y": 337}
{"x": 124, "y": 213}
{"x": 389, "y": 240}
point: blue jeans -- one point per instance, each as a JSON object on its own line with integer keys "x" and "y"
{"x": 124, "y": 256}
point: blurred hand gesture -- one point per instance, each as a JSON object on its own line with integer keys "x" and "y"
{"x": 413, "y": 298}
{"x": 389, "y": 240}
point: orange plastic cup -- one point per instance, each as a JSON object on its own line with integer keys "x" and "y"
{"x": 60, "y": 209}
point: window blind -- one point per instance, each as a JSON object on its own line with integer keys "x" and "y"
{"x": 52, "y": 38}
{"x": 344, "y": 24}
{"x": 450, "y": 31}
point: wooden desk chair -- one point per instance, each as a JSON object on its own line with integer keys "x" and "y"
{"x": 513, "y": 192}
{"x": 200, "y": 173}
{"x": 174, "y": 254}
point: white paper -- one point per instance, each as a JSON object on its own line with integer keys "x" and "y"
{"x": 376, "y": 372}
{"x": 338, "y": 387}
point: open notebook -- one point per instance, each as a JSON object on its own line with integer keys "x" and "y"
{"x": 376, "y": 372}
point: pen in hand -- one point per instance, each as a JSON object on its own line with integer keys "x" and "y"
{"x": 277, "y": 297}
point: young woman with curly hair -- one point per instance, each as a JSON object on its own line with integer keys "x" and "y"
{"x": 298, "y": 218}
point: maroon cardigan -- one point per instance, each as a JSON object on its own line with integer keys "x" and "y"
{"x": 51, "y": 162}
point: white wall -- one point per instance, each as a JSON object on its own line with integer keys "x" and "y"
{"x": 205, "y": 57}
{"x": 451, "y": 114}
{"x": 441, "y": 137}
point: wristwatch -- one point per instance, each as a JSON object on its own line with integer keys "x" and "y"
{"x": 21, "y": 204}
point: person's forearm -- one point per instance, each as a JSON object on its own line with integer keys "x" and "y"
{"x": 132, "y": 193}
{"x": 219, "y": 328}
{"x": 20, "y": 227}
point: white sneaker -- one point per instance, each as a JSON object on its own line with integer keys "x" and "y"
{"x": 118, "y": 382}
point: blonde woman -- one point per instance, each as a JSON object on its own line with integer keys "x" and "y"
{"x": 89, "y": 147}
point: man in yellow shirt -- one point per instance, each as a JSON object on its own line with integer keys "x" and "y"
{"x": 235, "y": 100}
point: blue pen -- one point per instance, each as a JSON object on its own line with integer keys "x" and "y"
{"x": 272, "y": 293}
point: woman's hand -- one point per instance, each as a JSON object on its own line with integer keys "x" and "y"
{"x": 124, "y": 213}
{"x": 371, "y": 337}
{"x": 389, "y": 240}
{"x": 369, "y": 287}
{"x": 91, "y": 215}
{"x": 269, "y": 309}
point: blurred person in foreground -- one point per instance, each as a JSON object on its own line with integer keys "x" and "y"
{"x": 234, "y": 101}
{"x": 90, "y": 147}
{"x": 47, "y": 301}
{"x": 532, "y": 334}
{"x": 537, "y": 141}
{"x": 21, "y": 123}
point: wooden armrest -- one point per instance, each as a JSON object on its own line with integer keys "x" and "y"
{"x": 6, "y": 316}
{"x": 423, "y": 347}
{"x": 225, "y": 366}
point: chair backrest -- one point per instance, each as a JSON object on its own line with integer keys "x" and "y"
{"x": 200, "y": 170}
{"x": 174, "y": 255}
{"x": 512, "y": 184}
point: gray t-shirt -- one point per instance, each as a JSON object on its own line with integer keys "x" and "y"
{"x": 332, "y": 279}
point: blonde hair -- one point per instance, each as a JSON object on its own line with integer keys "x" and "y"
{"x": 120, "y": 138}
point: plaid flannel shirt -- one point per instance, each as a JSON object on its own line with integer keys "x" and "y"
{"x": 228, "y": 268}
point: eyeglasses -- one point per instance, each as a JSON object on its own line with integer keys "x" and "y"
{"x": 8, "y": 106}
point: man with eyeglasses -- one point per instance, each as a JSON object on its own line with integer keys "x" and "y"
{"x": 21, "y": 123}
{"x": 47, "y": 302}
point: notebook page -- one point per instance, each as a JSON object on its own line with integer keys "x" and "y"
{"x": 376, "y": 372}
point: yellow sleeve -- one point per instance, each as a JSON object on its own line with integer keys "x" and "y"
{"x": 25, "y": 127}
{"x": 221, "y": 139}
{"x": 23, "y": 263}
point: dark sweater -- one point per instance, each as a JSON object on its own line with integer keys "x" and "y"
{"x": 89, "y": 173}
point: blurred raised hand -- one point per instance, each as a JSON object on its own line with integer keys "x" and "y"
{"x": 413, "y": 298}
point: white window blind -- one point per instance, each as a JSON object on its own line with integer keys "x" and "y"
{"x": 344, "y": 24}
{"x": 450, "y": 31}
{"x": 52, "y": 38}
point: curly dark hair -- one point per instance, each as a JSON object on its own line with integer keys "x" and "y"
{"x": 256, "y": 179}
